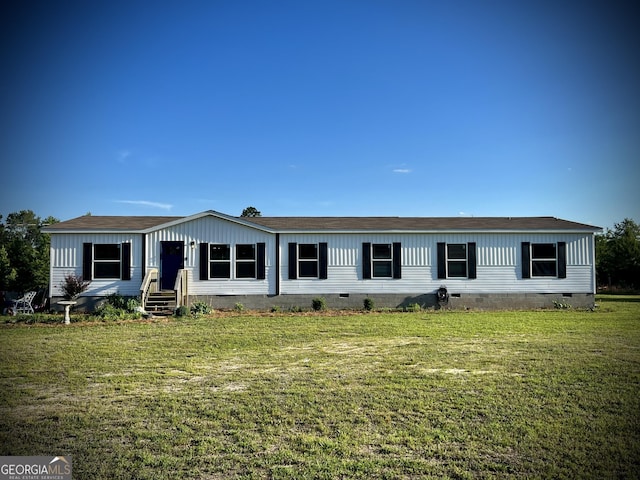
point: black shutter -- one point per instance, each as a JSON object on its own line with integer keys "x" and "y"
{"x": 323, "y": 254}
{"x": 562, "y": 260}
{"x": 471, "y": 260}
{"x": 366, "y": 261}
{"x": 397, "y": 260}
{"x": 204, "y": 261}
{"x": 526, "y": 260}
{"x": 261, "y": 261}
{"x": 293, "y": 261}
{"x": 442, "y": 260}
{"x": 87, "y": 261}
{"x": 125, "y": 265}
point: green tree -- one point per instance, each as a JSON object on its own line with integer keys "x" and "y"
{"x": 602, "y": 260}
{"x": 25, "y": 263}
{"x": 251, "y": 212}
{"x": 7, "y": 272}
{"x": 618, "y": 255}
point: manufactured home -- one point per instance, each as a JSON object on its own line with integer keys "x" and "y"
{"x": 266, "y": 262}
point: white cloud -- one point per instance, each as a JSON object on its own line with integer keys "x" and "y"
{"x": 122, "y": 155}
{"x": 146, "y": 203}
{"x": 401, "y": 170}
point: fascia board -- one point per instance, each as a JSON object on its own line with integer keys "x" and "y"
{"x": 208, "y": 213}
{"x": 72, "y": 231}
{"x": 437, "y": 232}
{"x": 316, "y": 232}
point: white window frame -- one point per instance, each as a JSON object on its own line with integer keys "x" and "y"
{"x": 219, "y": 261}
{"x": 244, "y": 261}
{"x": 96, "y": 261}
{"x": 381, "y": 260}
{"x": 464, "y": 260}
{"x": 308, "y": 260}
{"x": 533, "y": 260}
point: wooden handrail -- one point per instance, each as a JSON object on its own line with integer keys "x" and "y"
{"x": 180, "y": 288}
{"x": 149, "y": 283}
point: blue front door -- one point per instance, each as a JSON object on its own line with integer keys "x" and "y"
{"x": 171, "y": 260}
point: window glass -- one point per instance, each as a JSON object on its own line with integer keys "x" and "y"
{"x": 219, "y": 252}
{"x": 382, "y": 250}
{"x": 106, "y": 260}
{"x": 543, "y": 260}
{"x": 245, "y": 269}
{"x": 106, "y": 269}
{"x": 457, "y": 251}
{"x": 219, "y": 261}
{"x": 543, "y": 250}
{"x": 245, "y": 252}
{"x": 308, "y": 260}
{"x": 219, "y": 270}
{"x": 457, "y": 260}
{"x": 308, "y": 269}
{"x": 245, "y": 261}
{"x": 308, "y": 251}
{"x": 457, "y": 269}
{"x": 382, "y": 269}
{"x": 382, "y": 266}
{"x": 543, "y": 268}
{"x": 106, "y": 251}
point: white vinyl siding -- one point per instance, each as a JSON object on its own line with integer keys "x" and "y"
{"x": 498, "y": 267}
{"x": 213, "y": 230}
{"x": 66, "y": 258}
{"x": 498, "y": 261}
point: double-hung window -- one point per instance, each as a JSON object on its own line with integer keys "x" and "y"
{"x": 238, "y": 262}
{"x": 544, "y": 260}
{"x": 456, "y": 260}
{"x": 246, "y": 261}
{"x": 381, "y": 260}
{"x": 219, "y": 261}
{"x": 308, "y": 260}
{"x": 106, "y": 260}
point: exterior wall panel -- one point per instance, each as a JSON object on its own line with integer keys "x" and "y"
{"x": 499, "y": 267}
{"x": 498, "y": 262}
{"x": 66, "y": 258}
{"x": 214, "y": 230}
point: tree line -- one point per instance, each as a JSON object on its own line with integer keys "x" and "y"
{"x": 618, "y": 257}
{"x": 24, "y": 253}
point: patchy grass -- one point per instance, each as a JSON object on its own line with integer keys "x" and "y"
{"x": 542, "y": 394}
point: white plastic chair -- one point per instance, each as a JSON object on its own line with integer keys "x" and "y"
{"x": 23, "y": 305}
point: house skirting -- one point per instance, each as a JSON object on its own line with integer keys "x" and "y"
{"x": 456, "y": 301}
{"x": 477, "y": 301}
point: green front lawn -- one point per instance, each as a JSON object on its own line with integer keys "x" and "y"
{"x": 542, "y": 394}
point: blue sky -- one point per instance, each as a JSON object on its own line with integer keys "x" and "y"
{"x": 328, "y": 108}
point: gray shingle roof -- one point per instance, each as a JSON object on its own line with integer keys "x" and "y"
{"x": 136, "y": 223}
{"x": 125, "y": 223}
{"x": 419, "y": 223}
